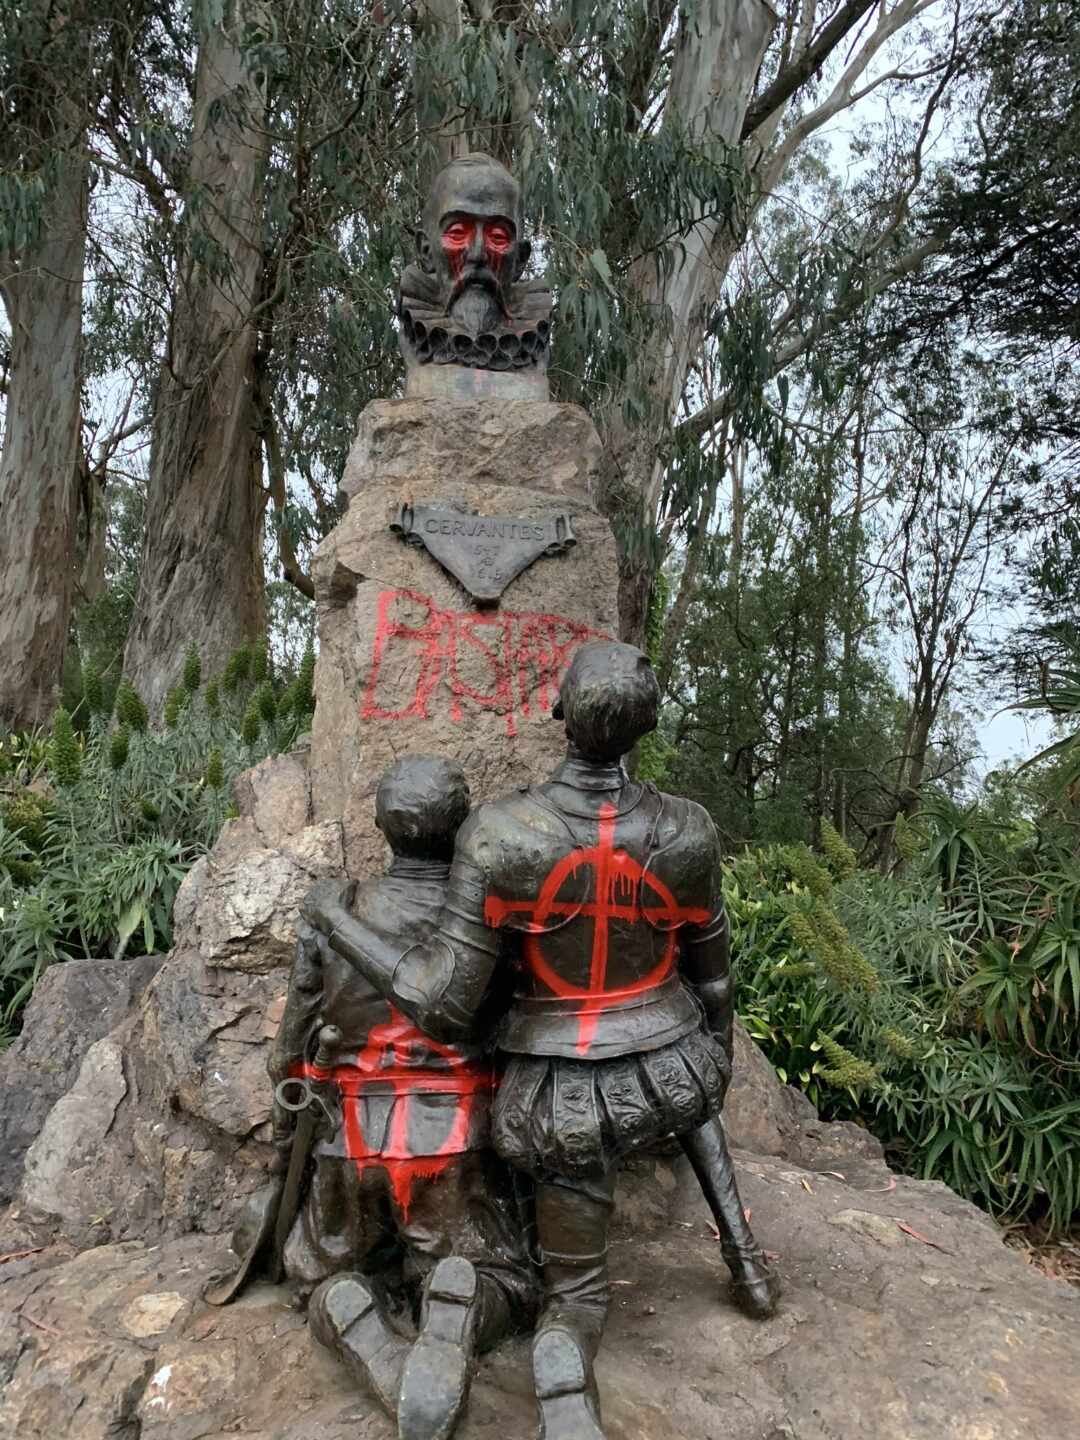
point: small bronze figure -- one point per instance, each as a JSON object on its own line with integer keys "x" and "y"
{"x": 464, "y": 301}
{"x": 600, "y": 898}
{"x": 405, "y": 1199}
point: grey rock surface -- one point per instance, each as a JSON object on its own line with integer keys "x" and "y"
{"x": 515, "y": 444}
{"x": 904, "y": 1318}
{"x": 407, "y": 665}
{"x": 73, "y": 1005}
{"x": 164, "y": 1128}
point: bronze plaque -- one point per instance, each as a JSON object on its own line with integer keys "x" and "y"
{"x": 483, "y": 552}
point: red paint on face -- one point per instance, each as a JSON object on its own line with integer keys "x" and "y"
{"x": 618, "y": 894}
{"x": 459, "y": 238}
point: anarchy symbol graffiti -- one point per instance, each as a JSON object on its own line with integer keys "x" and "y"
{"x": 622, "y": 889}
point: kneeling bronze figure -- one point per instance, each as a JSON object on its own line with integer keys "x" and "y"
{"x": 583, "y": 929}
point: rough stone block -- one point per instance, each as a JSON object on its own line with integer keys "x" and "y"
{"x": 514, "y": 444}
{"x": 408, "y": 663}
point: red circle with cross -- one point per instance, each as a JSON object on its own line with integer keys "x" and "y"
{"x": 619, "y": 883}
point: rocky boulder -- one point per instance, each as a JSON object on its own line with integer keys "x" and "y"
{"x": 904, "y": 1318}
{"x": 73, "y": 1005}
{"x": 164, "y": 1127}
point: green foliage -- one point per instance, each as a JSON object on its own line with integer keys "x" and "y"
{"x": 93, "y": 689}
{"x": 215, "y": 770}
{"x": 174, "y": 704}
{"x": 119, "y": 746}
{"x": 839, "y": 855}
{"x": 128, "y": 707}
{"x": 304, "y": 693}
{"x": 238, "y": 669}
{"x": 843, "y": 1068}
{"x": 251, "y": 723}
{"x": 97, "y": 833}
{"x": 260, "y": 661}
{"x": 65, "y": 759}
{"x": 267, "y": 703}
{"x": 192, "y": 670}
{"x": 960, "y": 1052}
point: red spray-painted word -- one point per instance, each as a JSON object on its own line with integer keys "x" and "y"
{"x": 617, "y": 895}
{"x": 520, "y": 657}
{"x": 388, "y": 1065}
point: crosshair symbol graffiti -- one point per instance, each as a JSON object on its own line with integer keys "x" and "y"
{"x": 619, "y": 882}
{"x": 397, "y": 1062}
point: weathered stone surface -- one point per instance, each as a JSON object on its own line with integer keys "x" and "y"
{"x": 165, "y": 1127}
{"x": 760, "y": 1114}
{"x": 516, "y": 444}
{"x": 73, "y": 1005}
{"x": 61, "y": 1164}
{"x": 276, "y": 794}
{"x": 881, "y": 1336}
{"x": 238, "y": 905}
{"x": 407, "y": 663}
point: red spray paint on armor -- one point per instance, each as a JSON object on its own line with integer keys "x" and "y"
{"x": 618, "y": 886}
{"x": 386, "y": 1065}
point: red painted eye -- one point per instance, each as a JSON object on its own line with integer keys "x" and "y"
{"x": 457, "y": 235}
{"x": 498, "y": 238}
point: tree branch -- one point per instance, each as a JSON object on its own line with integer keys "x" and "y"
{"x": 799, "y": 71}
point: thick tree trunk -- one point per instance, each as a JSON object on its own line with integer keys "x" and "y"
{"x": 201, "y": 578}
{"x": 42, "y": 293}
{"x": 718, "y": 53}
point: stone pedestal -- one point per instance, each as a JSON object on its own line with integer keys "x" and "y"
{"x": 408, "y": 662}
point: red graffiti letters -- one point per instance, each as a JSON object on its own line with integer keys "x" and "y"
{"x": 501, "y": 660}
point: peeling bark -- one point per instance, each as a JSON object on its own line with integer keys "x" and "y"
{"x": 42, "y": 294}
{"x": 201, "y": 577}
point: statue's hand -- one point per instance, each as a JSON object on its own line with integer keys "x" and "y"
{"x": 321, "y": 906}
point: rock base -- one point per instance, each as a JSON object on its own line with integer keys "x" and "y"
{"x": 904, "y": 1318}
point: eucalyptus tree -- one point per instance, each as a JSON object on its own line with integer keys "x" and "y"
{"x": 276, "y": 182}
{"x": 46, "y": 67}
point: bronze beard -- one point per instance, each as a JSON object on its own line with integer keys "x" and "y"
{"x": 442, "y": 329}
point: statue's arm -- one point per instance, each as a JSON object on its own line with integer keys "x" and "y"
{"x": 440, "y": 985}
{"x": 706, "y": 947}
{"x": 706, "y": 965}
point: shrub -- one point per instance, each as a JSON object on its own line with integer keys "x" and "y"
{"x": 98, "y": 830}
{"x": 961, "y": 1053}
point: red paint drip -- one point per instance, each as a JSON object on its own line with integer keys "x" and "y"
{"x": 387, "y": 1065}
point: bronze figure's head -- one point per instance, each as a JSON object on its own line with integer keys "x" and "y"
{"x": 471, "y": 239}
{"x": 464, "y": 302}
{"x": 420, "y": 804}
{"x": 609, "y": 698}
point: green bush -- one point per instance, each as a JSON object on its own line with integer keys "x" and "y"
{"x": 99, "y": 826}
{"x": 961, "y": 1054}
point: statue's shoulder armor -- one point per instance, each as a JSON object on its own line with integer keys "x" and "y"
{"x": 500, "y": 834}
{"x": 685, "y": 850}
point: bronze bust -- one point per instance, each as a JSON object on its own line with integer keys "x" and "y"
{"x": 464, "y": 302}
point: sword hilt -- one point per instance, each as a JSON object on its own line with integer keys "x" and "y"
{"x": 328, "y": 1042}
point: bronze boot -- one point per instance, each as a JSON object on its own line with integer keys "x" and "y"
{"x": 565, "y": 1387}
{"x": 346, "y": 1317}
{"x": 435, "y": 1380}
{"x": 754, "y": 1287}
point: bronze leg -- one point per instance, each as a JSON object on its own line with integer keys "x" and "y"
{"x": 756, "y": 1289}
{"x": 572, "y": 1232}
